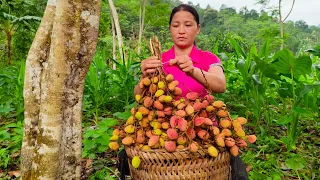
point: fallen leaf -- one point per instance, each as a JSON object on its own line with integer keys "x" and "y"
{"x": 16, "y": 173}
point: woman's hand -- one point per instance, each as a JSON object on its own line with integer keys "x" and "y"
{"x": 149, "y": 65}
{"x": 184, "y": 62}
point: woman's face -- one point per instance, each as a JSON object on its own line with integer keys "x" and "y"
{"x": 183, "y": 29}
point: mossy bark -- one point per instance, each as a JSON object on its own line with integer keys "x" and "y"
{"x": 53, "y": 126}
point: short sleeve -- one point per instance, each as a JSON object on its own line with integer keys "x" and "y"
{"x": 212, "y": 60}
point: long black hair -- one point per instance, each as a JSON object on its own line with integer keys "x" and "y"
{"x": 188, "y": 8}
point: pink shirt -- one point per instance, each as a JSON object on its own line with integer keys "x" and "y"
{"x": 201, "y": 59}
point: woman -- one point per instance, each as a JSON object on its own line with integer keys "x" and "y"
{"x": 195, "y": 70}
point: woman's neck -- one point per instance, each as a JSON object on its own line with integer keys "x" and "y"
{"x": 185, "y": 51}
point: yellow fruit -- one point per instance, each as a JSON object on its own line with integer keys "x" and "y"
{"x": 157, "y": 132}
{"x": 114, "y": 146}
{"x": 138, "y": 115}
{"x": 159, "y": 93}
{"x": 129, "y": 129}
{"x": 127, "y": 140}
{"x": 114, "y": 138}
{"x": 167, "y": 99}
{"x": 218, "y": 104}
{"x": 213, "y": 151}
{"x": 169, "y": 78}
{"x": 146, "y": 148}
{"x": 130, "y": 121}
{"x": 240, "y": 133}
{"x": 236, "y": 124}
{"x": 161, "y": 85}
{"x": 138, "y": 97}
{"x": 136, "y": 161}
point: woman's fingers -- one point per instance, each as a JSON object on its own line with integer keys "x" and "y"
{"x": 149, "y": 65}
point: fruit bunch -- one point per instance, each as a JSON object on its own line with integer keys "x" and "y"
{"x": 163, "y": 119}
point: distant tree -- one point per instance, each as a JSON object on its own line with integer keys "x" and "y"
{"x": 279, "y": 12}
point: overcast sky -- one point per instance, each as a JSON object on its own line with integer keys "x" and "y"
{"x": 307, "y": 10}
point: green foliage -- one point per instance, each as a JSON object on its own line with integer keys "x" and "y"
{"x": 96, "y": 139}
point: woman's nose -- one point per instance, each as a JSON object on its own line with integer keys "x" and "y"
{"x": 182, "y": 29}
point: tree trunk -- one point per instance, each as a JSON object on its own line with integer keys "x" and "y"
{"x": 117, "y": 24}
{"x": 281, "y": 25}
{"x": 9, "y": 39}
{"x": 114, "y": 42}
{"x": 55, "y": 74}
{"x": 142, "y": 14}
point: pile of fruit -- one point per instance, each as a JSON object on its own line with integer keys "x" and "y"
{"x": 163, "y": 120}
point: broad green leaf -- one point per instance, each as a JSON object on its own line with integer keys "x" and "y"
{"x": 285, "y": 62}
{"x": 89, "y": 144}
{"x": 109, "y": 122}
{"x": 122, "y": 115}
{"x": 266, "y": 69}
{"x": 295, "y": 163}
{"x": 284, "y": 120}
{"x": 302, "y": 111}
{"x": 4, "y": 135}
{"x": 264, "y": 52}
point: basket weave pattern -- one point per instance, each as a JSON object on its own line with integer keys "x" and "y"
{"x": 159, "y": 164}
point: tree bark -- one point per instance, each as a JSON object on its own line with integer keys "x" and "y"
{"x": 117, "y": 25}
{"x": 36, "y": 60}
{"x": 114, "y": 42}
{"x": 281, "y": 25}
{"x": 58, "y": 79}
{"x": 142, "y": 14}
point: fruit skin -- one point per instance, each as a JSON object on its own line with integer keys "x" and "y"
{"x": 193, "y": 147}
{"x": 213, "y": 151}
{"x": 127, "y": 140}
{"x": 177, "y": 91}
{"x": 129, "y": 129}
{"x": 114, "y": 146}
{"x": 169, "y": 78}
{"x": 234, "y": 150}
{"x": 136, "y": 161}
{"x": 242, "y": 120}
{"x": 148, "y": 102}
{"x": 229, "y": 142}
{"x": 218, "y": 104}
{"x": 172, "y": 134}
{"x": 159, "y": 93}
{"x": 138, "y": 115}
{"x": 192, "y": 96}
{"x": 153, "y": 140}
{"x": 170, "y": 146}
{"x": 252, "y": 138}
{"x": 182, "y": 124}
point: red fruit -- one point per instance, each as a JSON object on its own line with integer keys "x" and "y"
{"x": 241, "y": 143}
{"x": 182, "y": 140}
{"x": 180, "y": 113}
{"x": 203, "y": 113}
{"x": 170, "y": 146}
{"x": 140, "y": 138}
{"x": 153, "y": 140}
{"x": 173, "y": 121}
{"x": 197, "y": 106}
{"x": 172, "y": 134}
{"x": 192, "y": 96}
{"x": 191, "y": 133}
{"x": 203, "y": 134}
{"x": 198, "y": 121}
{"x": 209, "y": 98}
{"x": 205, "y": 103}
{"x": 182, "y": 124}
{"x": 168, "y": 111}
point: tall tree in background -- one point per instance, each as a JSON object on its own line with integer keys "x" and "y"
{"x": 141, "y": 22}
{"x": 281, "y": 19}
{"x": 117, "y": 25}
{"x": 56, "y": 67}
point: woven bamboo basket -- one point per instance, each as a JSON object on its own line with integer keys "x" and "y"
{"x": 159, "y": 164}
